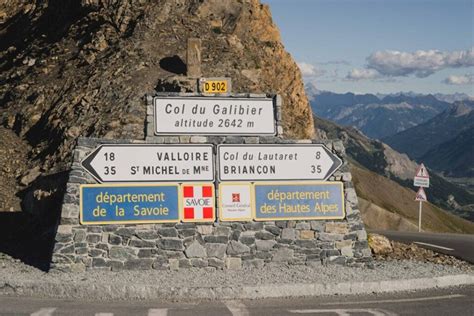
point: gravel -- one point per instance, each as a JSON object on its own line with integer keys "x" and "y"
{"x": 13, "y": 271}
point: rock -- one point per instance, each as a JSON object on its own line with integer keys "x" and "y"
{"x": 236, "y": 248}
{"x": 138, "y": 264}
{"x": 379, "y": 244}
{"x": 30, "y": 176}
{"x": 306, "y": 234}
{"x": 233, "y": 263}
{"x": 168, "y": 232}
{"x": 264, "y": 235}
{"x": 337, "y": 228}
{"x": 283, "y": 254}
{"x": 195, "y": 250}
{"x": 171, "y": 244}
{"x": 265, "y": 245}
{"x": 216, "y": 250}
{"x": 288, "y": 233}
{"x": 121, "y": 253}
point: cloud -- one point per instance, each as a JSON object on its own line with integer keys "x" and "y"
{"x": 336, "y": 62}
{"x": 362, "y": 74}
{"x": 420, "y": 63}
{"x": 309, "y": 70}
{"x": 459, "y": 80}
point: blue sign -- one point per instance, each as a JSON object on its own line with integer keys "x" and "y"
{"x": 129, "y": 204}
{"x": 298, "y": 200}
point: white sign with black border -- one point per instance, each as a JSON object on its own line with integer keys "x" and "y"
{"x": 151, "y": 163}
{"x": 270, "y": 162}
{"x": 214, "y": 116}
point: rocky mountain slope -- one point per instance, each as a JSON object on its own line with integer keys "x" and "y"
{"x": 385, "y": 204}
{"x": 74, "y": 68}
{"x": 379, "y": 158}
{"x": 376, "y": 117}
{"x": 445, "y": 142}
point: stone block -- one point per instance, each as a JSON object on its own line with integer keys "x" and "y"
{"x": 317, "y": 226}
{"x": 205, "y": 229}
{"x": 199, "y": 263}
{"x": 99, "y": 262}
{"x": 265, "y": 245}
{"x": 195, "y": 250}
{"x": 217, "y": 263}
{"x": 237, "y": 248}
{"x": 343, "y": 244}
{"x": 171, "y": 244}
{"x": 288, "y": 233}
{"x": 168, "y": 232}
{"x": 264, "y": 235}
{"x": 125, "y": 232}
{"x": 121, "y": 253}
{"x": 233, "y": 263}
{"x": 222, "y": 231}
{"x": 307, "y": 243}
{"x": 185, "y": 263}
{"x": 247, "y": 240}
{"x": 216, "y": 250}
{"x": 273, "y": 229}
{"x": 306, "y": 226}
{"x": 330, "y": 237}
{"x": 174, "y": 264}
{"x": 115, "y": 240}
{"x": 337, "y": 228}
{"x": 93, "y": 238}
{"x": 138, "y": 264}
{"x": 96, "y": 252}
{"x": 216, "y": 239}
{"x": 142, "y": 243}
{"x": 361, "y": 235}
{"x": 198, "y": 139}
{"x": 283, "y": 255}
{"x": 253, "y": 226}
{"x": 347, "y": 251}
{"x": 147, "y": 252}
{"x": 254, "y": 263}
{"x": 147, "y": 234}
{"x": 79, "y": 236}
{"x": 306, "y": 234}
{"x": 193, "y": 58}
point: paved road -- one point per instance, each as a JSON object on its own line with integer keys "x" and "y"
{"x": 458, "y": 245}
{"x": 454, "y": 301}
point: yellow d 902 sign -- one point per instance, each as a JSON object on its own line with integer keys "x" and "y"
{"x": 217, "y": 85}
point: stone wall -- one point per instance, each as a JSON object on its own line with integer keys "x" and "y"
{"x": 220, "y": 245}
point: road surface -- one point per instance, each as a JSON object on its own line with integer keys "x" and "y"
{"x": 453, "y": 301}
{"x": 457, "y": 245}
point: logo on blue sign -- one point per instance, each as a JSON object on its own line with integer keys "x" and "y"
{"x": 122, "y": 204}
{"x": 298, "y": 201}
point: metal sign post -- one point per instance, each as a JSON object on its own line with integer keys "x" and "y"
{"x": 421, "y": 197}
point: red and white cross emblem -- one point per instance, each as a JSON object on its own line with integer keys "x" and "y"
{"x": 198, "y": 203}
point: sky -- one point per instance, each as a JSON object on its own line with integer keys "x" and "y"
{"x": 380, "y": 46}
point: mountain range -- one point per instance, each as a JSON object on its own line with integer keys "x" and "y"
{"x": 445, "y": 142}
{"x": 376, "y": 166}
{"x": 377, "y": 116}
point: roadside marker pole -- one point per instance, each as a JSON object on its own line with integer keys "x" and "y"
{"x": 419, "y": 216}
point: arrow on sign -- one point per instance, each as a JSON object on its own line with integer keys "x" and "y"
{"x": 150, "y": 163}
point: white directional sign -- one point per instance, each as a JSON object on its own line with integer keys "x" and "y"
{"x": 421, "y": 195}
{"x": 276, "y": 162}
{"x": 150, "y": 163}
{"x": 422, "y": 178}
{"x": 214, "y": 116}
